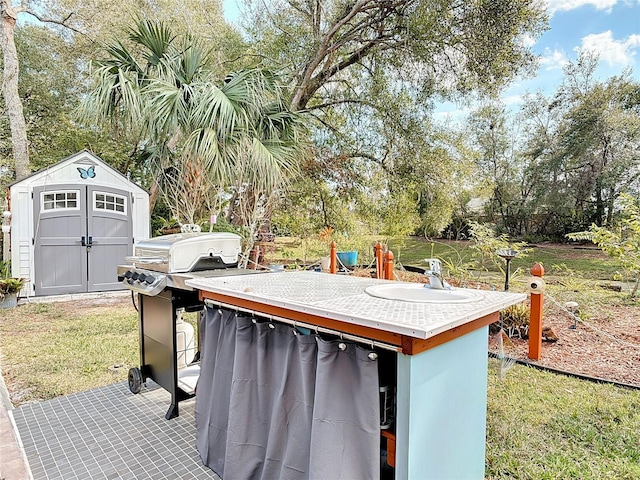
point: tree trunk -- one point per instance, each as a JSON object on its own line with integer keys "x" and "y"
{"x": 154, "y": 193}
{"x": 10, "y": 91}
{"x": 599, "y": 210}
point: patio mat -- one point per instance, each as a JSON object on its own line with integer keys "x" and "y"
{"x": 110, "y": 433}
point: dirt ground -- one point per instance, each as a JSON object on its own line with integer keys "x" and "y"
{"x": 600, "y": 347}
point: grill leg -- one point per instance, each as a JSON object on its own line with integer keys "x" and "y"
{"x": 172, "y": 412}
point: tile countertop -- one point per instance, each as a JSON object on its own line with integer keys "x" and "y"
{"x": 343, "y": 298}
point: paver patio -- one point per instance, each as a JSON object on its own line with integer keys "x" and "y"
{"x": 110, "y": 433}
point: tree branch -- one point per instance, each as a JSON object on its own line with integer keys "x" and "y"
{"x": 313, "y": 84}
{"x": 62, "y": 23}
{"x": 372, "y": 158}
{"x": 339, "y": 102}
{"x": 300, "y": 97}
{"x": 328, "y": 126}
{"x": 372, "y": 30}
{"x": 304, "y": 13}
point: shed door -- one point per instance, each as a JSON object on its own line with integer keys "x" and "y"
{"x": 82, "y": 232}
{"x": 60, "y": 217}
{"x": 110, "y": 230}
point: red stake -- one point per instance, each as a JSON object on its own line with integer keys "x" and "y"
{"x": 333, "y": 258}
{"x": 379, "y": 259}
{"x": 388, "y": 265}
{"x": 535, "y": 317}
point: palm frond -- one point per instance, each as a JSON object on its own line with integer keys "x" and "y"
{"x": 214, "y": 108}
{"x": 114, "y": 99}
{"x": 194, "y": 60}
{"x": 166, "y": 108}
{"x": 204, "y": 143}
{"x": 268, "y": 164}
{"x": 119, "y": 58}
{"x": 155, "y": 36}
{"x": 238, "y": 132}
{"x": 244, "y": 87}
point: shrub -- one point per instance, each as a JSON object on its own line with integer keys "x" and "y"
{"x": 514, "y": 320}
{"x": 10, "y": 285}
{"x": 621, "y": 241}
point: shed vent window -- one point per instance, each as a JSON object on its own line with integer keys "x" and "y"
{"x": 60, "y": 200}
{"x": 110, "y": 202}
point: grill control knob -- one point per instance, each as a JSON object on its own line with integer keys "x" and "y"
{"x": 121, "y": 278}
{"x": 142, "y": 277}
{"x": 128, "y": 274}
{"x": 135, "y": 276}
{"x": 150, "y": 279}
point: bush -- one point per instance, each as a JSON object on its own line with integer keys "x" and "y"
{"x": 514, "y": 320}
{"x": 10, "y": 285}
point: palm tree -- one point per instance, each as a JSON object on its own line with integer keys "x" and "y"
{"x": 199, "y": 134}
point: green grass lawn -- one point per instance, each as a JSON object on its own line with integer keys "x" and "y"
{"x": 589, "y": 263}
{"x": 54, "y": 349}
{"x": 48, "y": 350}
{"x": 564, "y": 261}
{"x": 545, "y": 426}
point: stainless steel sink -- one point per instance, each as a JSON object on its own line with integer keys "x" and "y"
{"x": 418, "y": 293}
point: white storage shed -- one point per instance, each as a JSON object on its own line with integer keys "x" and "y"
{"x": 72, "y": 224}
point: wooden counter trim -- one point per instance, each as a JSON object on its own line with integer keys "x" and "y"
{"x": 409, "y": 345}
{"x": 360, "y": 331}
{"x": 413, "y": 346}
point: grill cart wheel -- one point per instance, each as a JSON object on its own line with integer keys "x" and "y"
{"x": 135, "y": 380}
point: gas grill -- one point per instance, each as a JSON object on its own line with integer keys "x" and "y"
{"x": 157, "y": 273}
{"x": 165, "y": 262}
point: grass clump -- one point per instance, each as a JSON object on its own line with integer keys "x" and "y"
{"x": 546, "y": 426}
{"x": 55, "y": 349}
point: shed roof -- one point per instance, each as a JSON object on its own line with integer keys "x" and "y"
{"x": 88, "y": 157}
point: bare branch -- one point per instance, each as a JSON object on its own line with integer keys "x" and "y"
{"x": 308, "y": 15}
{"x": 323, "y": 122}
{"x": 62, "y": 23}
{"x": 339, "y": 102}
{"x": 367, "y": 156}
{"x": 275, "y": 23}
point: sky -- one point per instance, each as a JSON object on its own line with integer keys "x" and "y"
{"x": 610, "y": 28}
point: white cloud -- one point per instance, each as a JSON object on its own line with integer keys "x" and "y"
{"x": 566, "y": 5}
{"x": 553, "y": 59}
{"x": 512, "y": 100}
{"x": 528, "y": 41}
{"x": 614, "y": 52}
{"x": 451, "y": 115}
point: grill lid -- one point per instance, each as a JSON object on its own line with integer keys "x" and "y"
{"x": 187, "y": 252}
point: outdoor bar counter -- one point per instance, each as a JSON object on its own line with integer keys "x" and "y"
{"x": 437, "y": 349}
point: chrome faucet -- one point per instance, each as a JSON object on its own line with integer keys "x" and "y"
{"x": 436, "y": 280}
